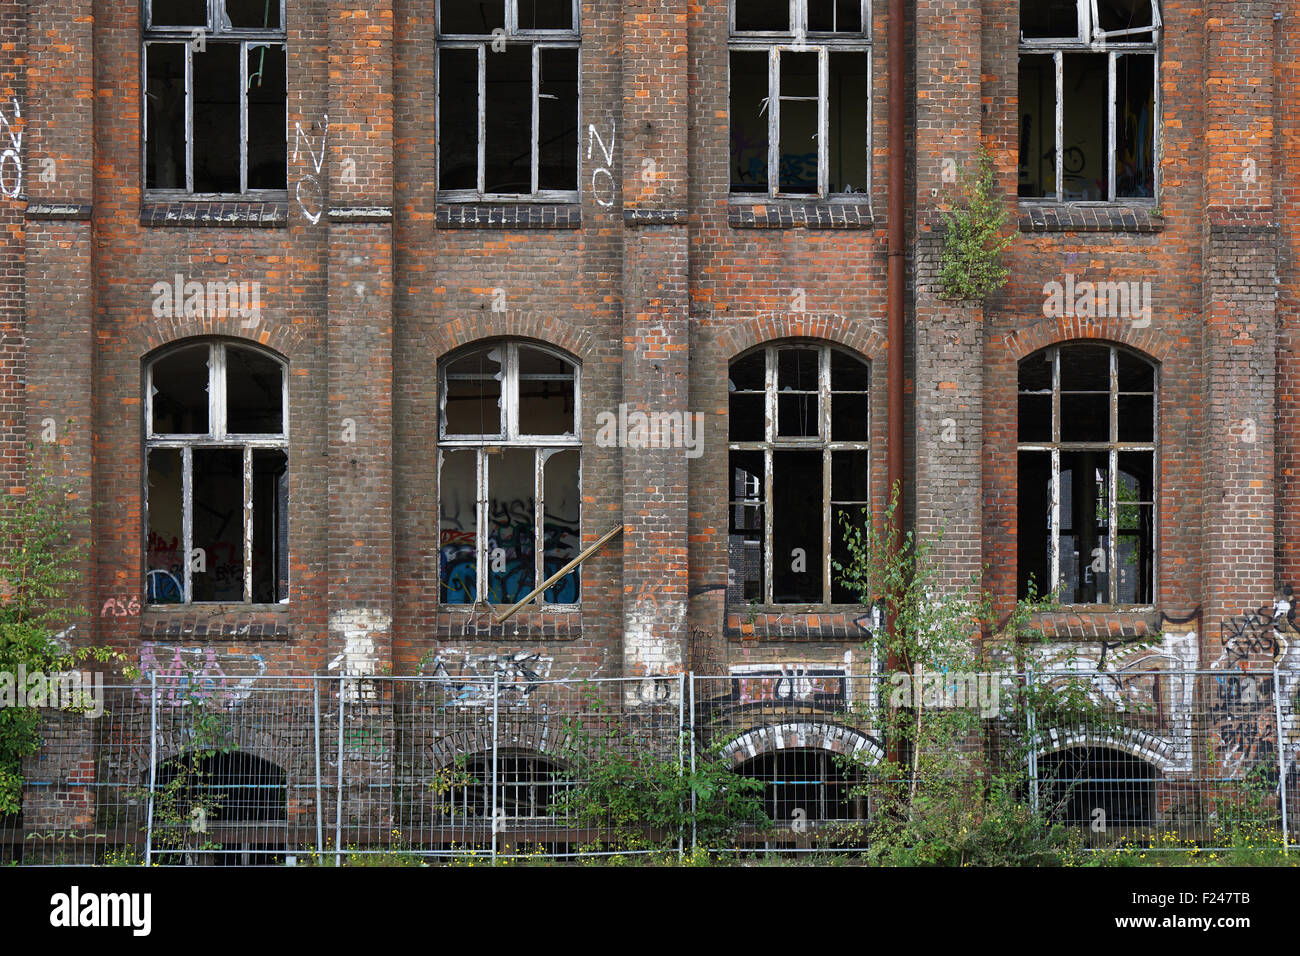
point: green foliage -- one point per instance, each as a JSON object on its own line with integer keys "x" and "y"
{"x": 970, "y": 264}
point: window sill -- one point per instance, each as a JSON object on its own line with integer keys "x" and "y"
{"x": 522, "y": 215}
{"x": 458, "y": 623}
{"x": 1098, "y": 217}
{"x": 1105, "y": 622}
{"x": 252, "y": 622}
{"x": 262, "y": 214}
{"x": 798, "y": 214}
{"x": 842, "y": 622}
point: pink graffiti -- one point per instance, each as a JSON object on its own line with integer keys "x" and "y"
{"x": 193, "y": 674}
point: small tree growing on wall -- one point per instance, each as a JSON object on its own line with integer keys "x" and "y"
{"x": 970, "y": 264}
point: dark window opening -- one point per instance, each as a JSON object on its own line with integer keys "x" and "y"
{"x": 527, "y": 788}
{"x": 253, "y": 14}
{"x": 197, "y": 796}
{"x": 806, "y": 784}
{"x": 1049, "y": 19}
{"x": 179, "y": 13}
{"x": 1086, "y": 786}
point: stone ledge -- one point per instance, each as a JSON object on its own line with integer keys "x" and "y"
{"x": 1051, "y": 217}
{"x": 270, "y": 214}
{"x": 517, "y": 216}
{"x": 783, "y": 214}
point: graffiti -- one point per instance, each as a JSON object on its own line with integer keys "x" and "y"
{"x": 313, "y": 203}
{"x": 598, "y": 171}
{"x": 120, "y": 607}
{"x": 365, "y": 741}
{"x": 511, "y": 551}
{"x": 11, "y": 158}
{"x": 194, "y": 673}
{"x": 517, "y": 676}
{"x": 788, "y": 683}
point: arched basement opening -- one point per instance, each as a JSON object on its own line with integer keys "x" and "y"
{"x": 1097, "y": 787}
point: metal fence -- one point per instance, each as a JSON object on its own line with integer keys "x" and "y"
{"x": 381, "y": 770}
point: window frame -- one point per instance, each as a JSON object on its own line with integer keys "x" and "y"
{"x": 1092, "y": 39}
{"x": 217, "y": 437}
{"x": 1113, "y": 448}
{"x": 799, "y": 39}
{"x": 249, "y": 39}
{"x": 773, "y": 442}
{"x": 536, "y": 40}
{"x": 510, "y": 437}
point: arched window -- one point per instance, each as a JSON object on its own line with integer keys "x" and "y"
{"x": 1087, "y": 473}
{"x": 1087, "y": 786}
{"x": 217, "y": 476}
{"x": 806, "y": 784}
{"x": 528, "y": 785}
{"x": 509, "y": 490}
{"x": 799, "y": 432}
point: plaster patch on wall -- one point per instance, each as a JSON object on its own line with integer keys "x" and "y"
{"x": 358, "y": 631}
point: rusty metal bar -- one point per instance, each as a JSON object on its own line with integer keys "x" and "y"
{"x": 588, "y": 552}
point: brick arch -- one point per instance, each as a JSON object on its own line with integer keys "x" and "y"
{"x": 1022, "y": 343}
{"x": 155, "y": 333}
{"x": 802, "y": 735}
{"x": 1147, "y": 747}
{"x": 852, "y": 334}
{"x": 543, "y": 327}
{"x": 275, "y": 749}
{"x": 527, "y": 733}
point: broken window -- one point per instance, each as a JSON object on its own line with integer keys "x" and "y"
{"x": 507, "y": 99}
{"x": 509, "y": 464}
{"x": 1087, "y": 469}
{"x": 528, "y": 787}
{"x": 215, "y": 96}
{"x": 800, "y": 97}
{"x": 1089, "y": 112}
{"x": 798, "y": 421}
{"x": 806, "y": 784}
{"x": 217, "y": 476}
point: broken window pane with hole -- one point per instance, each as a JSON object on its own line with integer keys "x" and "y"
{"x": 253, "y": 14}
{"x": 216, "y": 118}
{"x": 180, "y": 392}
{"x": 508, "y": 153}
{"x": 849, "y": 111}
{"x": 798, "y": 535}
{"x": 1135, "y": 124}
{"x": 562, "y": 534}
{"x": 218, "y": 524}
{"x": 1126, "y": 15}
{"x": 180, "y": 13}
{"x": 164, "y": 550}
{"x": 763, "y": 16}
{"x": 1084, "y": 135}
{"x": 471, "y": 16}
{"x": 165, "y": 111}
{"x": 546, "y": 387}
{"x": 511, "y": 524}
{"x": 472, "y": 402}
{"x": 1050, "y": 19}
{"x": 267, "y": 142}
{"x": 458, "y": 119}
{"x": 458, "y": 526}
{"x": 545, "y": 14}
{"x": 254, "y": 393}
{"x": 270, "y": 526}
{"x": 745, "y": 532}
{"x": 1037, "y": 170}
{"x": 798, "y": 133}
{"x": 749, "y": 121}
{"x": 557, "y": 136}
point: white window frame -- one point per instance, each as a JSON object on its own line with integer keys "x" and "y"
{"x": 538, "y": 40}
{"x": 772, "y": 442}
{"x": 510, "y": 437}
{"x": 797, "y": 40}
{"x": 217, "y": 437}
{"x": 1113, "y": 448}
{"x": 1092, "y": 39}
{"x": 216, "y": 29}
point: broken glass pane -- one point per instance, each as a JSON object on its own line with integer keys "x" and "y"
{"x": 216, "y": 118}
{"x": 1049, "y": 19}
{"x": 796, "y": 369}
{"x": 258, "y": 14}
{"x": 218, "y": 523}
{"x": 745, "y": 528}
{"x": 834, "y": 16}
{"x": 1085, "y": 91}
{"x": 771, "y": 16}
{"x": 457, "y": 527}
{"x": 180, "y": 392}
{"x": 1135, "y": 124}
{"x": 1085, "y": 522}
{"x": 1037, "y": 169}
{"x": 546, "y": 384}
{"x": 798, "y": 536}
{"x": 562, "y": 534}
{"x": 165, "y": 548}
{"x": 748, "y": 374}
{"x": 458, "y": 119}
{"x": 1085, "y": 368}
{"x": 270, "y": 526}
{"x": 749, "y": 121}
{"x": 179, "y": 13}
{"x": 849, "y": 109}
{"x": 479, "y": 17}
{"x": 165, "y": 116}
{"x": 508, "y": 155}
{"x": 254, "y": 393}
{"x": 511, "y": 524}
{"x": 267, "y": 142}
{"x": 1034, "y": 503}
{"x": 557, "y": 131}
{"x": 1125, "y": 15}
{"x": 473, "y": 394}
{"x": 545, "y": 14}
{"x": 799, "y": 118}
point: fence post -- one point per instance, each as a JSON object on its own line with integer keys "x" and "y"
{"x": 694, "y": 844}
{"x": 315, "y": 713}
{"x": 1281, "y": 757}
{"x": 1031, "y": 730}
{"x": 496, "y": 822}
{"x": 153, "y": 764}
{"x": 338, "y": 807}
{"x": 681, "y": 751}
